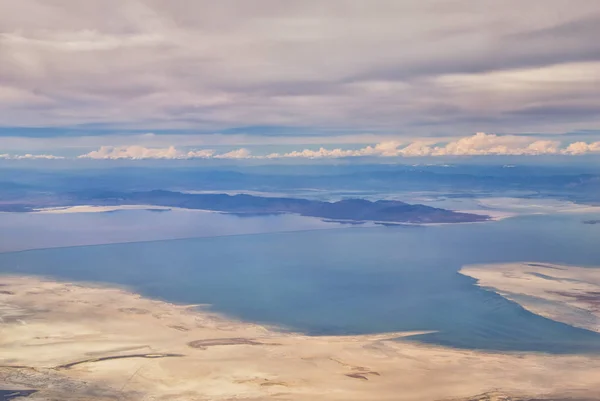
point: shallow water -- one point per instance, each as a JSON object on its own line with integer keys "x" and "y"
{"x": 21, "y": 231}
{"x": 350, "y": 280}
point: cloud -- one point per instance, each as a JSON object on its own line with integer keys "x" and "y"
{"x": 235, "y": 154}
{"x": 135, "y": 152}
{"x": 201, "y": 154}
{"x": 490, "y": 144}
{"x": 479, "y": 144}
{"x": 82, "y": 41}
{"x": 579, "y": 148}
{"x": 313, "y": 65}
{"x": 29, "y": 156}
{"x": 315, "y": 154}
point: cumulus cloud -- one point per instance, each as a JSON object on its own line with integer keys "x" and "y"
{"x": 132, "y": 152}
{"x": 235, "y": 154}
{"x": 578, "y": 148}
{"x": 490, "y": 144}
{"x": 384, "y": 149}
{"x": 315, "y": 154}
{"x": 136, "y": 152}
{"x": 200, "y": 154}
{"x": 29, "y": 156}
{"x": 480, "y": 144}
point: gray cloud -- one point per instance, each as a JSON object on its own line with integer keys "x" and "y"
{"x": 584, "y": 29}
{"x": 403, "y": 67}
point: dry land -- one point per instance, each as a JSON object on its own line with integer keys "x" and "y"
{"x": 567, "y": 294}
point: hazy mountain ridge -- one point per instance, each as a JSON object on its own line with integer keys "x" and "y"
{"x": 25, "y": 189}
{"x": 571, "y": 182}
{"x": 347, "y": 209}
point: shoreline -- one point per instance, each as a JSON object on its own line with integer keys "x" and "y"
{"x": 74, "y": 341}
{"x": 150, "y": 207}
{"x": 563, "y": 293}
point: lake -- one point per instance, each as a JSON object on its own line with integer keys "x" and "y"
{"x": 346, "y": 280}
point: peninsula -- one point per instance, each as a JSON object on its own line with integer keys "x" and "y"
{"x": 567, "y": 294}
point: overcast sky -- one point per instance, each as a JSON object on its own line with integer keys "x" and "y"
{"x": 305, "y": 72}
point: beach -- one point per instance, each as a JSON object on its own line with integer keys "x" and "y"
{"x": 78, "y": 341}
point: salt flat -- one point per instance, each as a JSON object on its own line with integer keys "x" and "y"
{"x": 567, "y": 294}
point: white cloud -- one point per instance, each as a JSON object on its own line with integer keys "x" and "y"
{"x": 418, "y": 148}
{"x": 479, "y": 144}
{"x": 490, "y": 144}
{"x": 200, "y": 154}
{"x": 133, "y": 152}
{"x": 136, "y": 152}
{"x": 315, "y": 154}
{"x": 384, "y": 149}
{"x": 235, "y": 154}
{"x": 29, "y": 156}
{"x": 578, "y": 148}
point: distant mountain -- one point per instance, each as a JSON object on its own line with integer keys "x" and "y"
{"x": 25, "y": 188}
{"x": 348, "y": 209}
{"x": 580, "y": 185}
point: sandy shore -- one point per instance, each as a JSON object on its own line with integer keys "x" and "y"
{"x": 567, "y": 294}
{"x": 84, "y": 342}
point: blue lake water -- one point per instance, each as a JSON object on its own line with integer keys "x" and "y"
{"x": 349, "y": 280}
{"x": 21, "y": 231}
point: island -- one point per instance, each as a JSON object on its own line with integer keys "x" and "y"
{"x": 351, "y": 210}
{"x": 83, "y": 341}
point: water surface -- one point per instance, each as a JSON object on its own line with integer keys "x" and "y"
{"x": 350, "y": 280}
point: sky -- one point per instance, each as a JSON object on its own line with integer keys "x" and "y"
{"x": 270, "y": 79}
